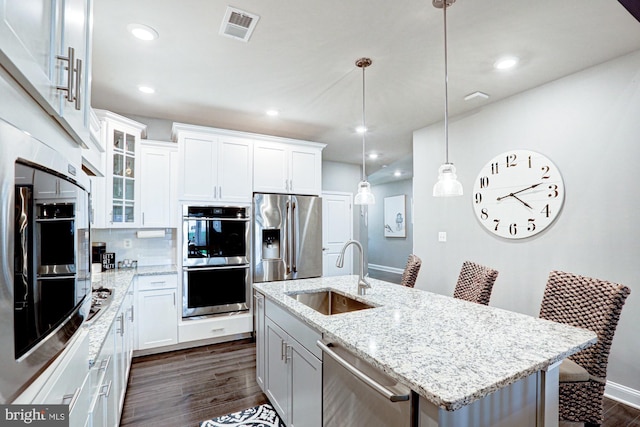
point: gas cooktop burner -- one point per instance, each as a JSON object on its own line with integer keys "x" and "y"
{"x": 100, "y": 300}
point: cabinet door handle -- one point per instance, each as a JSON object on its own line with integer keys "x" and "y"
{"x": 105, "y": 364}
{"x": 121, "y": 321}
{"x": 283, "y": 349}
{"x": 220, "y": 192}
{"x": 142, "y": 218}
{"x": 174, "y": 299}
{"x": 131, "y": 318}
{"x": 71, "y": 398}
{"x": 287, "y": 353}
{"x": 77, "y": 97}
{"x": 70, "y": 59}
{"x": 103, "y": 392}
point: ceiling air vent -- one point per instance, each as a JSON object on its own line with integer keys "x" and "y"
{"x": 238, "y": 24}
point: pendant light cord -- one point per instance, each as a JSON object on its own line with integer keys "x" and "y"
{"x": 446, "y": 89}
{"x": 364, "y": 129}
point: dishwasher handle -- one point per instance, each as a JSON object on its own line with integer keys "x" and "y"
{"x": 394, "y": 397}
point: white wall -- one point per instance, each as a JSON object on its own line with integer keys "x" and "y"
{"x": 390, "y": 251}
{"x": 588, "y": 124}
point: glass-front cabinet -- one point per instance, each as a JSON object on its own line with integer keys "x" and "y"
{"x": 122, "y": 179}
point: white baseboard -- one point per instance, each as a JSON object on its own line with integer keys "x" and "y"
{"x": 386, "y": 268}
{"x": 623, "y": 394}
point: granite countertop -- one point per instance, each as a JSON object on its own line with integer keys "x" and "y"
{"x": 451, "y": 352}
{"x": 119, "y": 280}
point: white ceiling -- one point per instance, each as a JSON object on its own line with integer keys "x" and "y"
{"x": 301, "y": 61}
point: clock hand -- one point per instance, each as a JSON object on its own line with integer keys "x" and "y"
{"x": 521, "y": 201}
{"x": 525, "y": 189}
{"x": 519, "y": 191}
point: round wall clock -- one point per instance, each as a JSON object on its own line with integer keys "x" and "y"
{"x": 518, "y": 194}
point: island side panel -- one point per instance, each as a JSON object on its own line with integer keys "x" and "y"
{"x": 515, "y": 405}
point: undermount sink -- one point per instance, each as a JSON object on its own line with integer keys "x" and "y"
{"x": 329, "y": 302}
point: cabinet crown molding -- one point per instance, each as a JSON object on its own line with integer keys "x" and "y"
{"x": 108, "y": 115}
{"x": 179, "y": 128}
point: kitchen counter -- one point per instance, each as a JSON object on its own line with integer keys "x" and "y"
{"x": 119, "y": 280}
{"x": 451, "y": 352}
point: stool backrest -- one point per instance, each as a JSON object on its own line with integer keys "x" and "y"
{"x": 475, "y": 283}
{"x": 586, "y": 303}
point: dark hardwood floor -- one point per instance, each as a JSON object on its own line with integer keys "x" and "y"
{"x": 183, "y": 388}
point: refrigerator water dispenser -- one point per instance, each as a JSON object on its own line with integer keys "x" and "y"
{"x": 271, "y": 244}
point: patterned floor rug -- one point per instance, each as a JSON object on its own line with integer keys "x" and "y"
{"x": 258, "y": 416}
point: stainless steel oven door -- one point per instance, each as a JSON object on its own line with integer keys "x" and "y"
{"x": 215, "y": 241}
{"x": 215, "y": 290}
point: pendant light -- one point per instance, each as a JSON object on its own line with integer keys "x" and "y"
{"x": 364, "y": 196}
{"x": 448, "y": 184}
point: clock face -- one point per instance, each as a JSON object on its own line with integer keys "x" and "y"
{"x": 518, "y": 194}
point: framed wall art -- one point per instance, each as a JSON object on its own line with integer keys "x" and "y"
{"x": 395, "y": 223}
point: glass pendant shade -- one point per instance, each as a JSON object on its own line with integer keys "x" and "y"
{"x": 364, "y": 196}
{"x": 448, "y": 184}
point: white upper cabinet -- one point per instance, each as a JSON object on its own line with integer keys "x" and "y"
{"x": 122, "y": 177}
{"x": 213, "y": 165}
{"x": 287, "y": 168}
{"x": 158, "y": 170}
{"x": 46, "y": 46}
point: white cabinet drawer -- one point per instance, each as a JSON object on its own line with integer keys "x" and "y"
{"x": 164, "y": 281}
{"x": 296, "y": 328}
{"x": 192, "y": 330}
{"x": 70, "y": 383}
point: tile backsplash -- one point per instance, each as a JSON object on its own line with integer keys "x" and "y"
{"x": 147, "y": 251}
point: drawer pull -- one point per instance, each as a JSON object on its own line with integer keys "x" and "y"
{"x": 71, "y": 399}
{"x": 216, "y": 330}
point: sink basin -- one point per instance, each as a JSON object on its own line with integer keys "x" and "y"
{"x": 329, "y": 302}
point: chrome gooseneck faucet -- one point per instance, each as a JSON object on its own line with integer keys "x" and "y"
{"x": 362, "y": 281}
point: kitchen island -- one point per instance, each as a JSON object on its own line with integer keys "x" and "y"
{"x": 470, "y": 364}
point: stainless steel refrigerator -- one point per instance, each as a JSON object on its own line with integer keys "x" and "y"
{"x": 287, "y": 237}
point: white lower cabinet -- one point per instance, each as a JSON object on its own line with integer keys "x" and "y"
{"x": 110, "y": 373}
{"x": 157, "y": 311}
{"x": 69, "y": 383}
{"x": 103, "y": 406}
{"x": 292, "y": 366}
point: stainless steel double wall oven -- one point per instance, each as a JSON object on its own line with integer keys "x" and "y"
{"x": 44, "y": 257}
{"x": 216, "y": 260}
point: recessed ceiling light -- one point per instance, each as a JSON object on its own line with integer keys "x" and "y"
{"x": 373, "y": 156}
{"x": 361, "y": 129}
{"x": 146, "y": 89}
{"x": 272, "y": 113}
{"x": 142, "y": 32}
{"x": 397, "y": 173}
{"x": 506, "y": 63}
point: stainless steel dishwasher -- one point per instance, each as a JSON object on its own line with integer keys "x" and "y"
{"x": 354, "y": 393}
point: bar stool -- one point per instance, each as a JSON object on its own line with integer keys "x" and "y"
{"x": 410, "y": 273}
{"x": 475, "y": 283}
{"x": 591, "y": 304}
